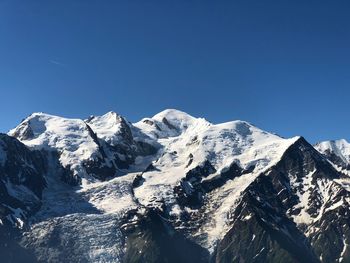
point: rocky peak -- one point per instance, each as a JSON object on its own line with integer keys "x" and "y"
{"x": 30, "y": 127}
{"x": 111, "y": 127}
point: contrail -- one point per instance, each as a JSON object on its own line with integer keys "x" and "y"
{"x": 56, "y": 62}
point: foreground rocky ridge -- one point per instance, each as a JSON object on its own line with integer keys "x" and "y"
{"x": 171, "y": 188}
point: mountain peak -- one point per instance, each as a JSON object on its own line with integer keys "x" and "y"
{"x": 169, "y": 123}
{"x": 175, "y": 119}
{"x": 109, "y": 126}
{"x": 172, "y": 114}
{"x": 110, "y": 117}
{"x": 207, "y": 181}
{"x": 111, "y": 114}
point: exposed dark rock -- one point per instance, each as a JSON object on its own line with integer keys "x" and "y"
{"x": 151, "y": 123}
{"x": 263, "y": 229}
{"x": 201, "y": 171}
{"x": 21, "y": 184}
{"x": 168, "y": 124}
{"x": 152, "y": 239}
{"x": 23, "y": 166}
{"x": 262, "y": 232}
{"x": 336, "y": 160}
{"x": 24, "y": 132}
{"x": 138, "y": 180}
{"x": 232, "y": 172}
{"x": 190, "y": 160}
{"x": 190, "y": 191}
{"x": 145, "y": 148}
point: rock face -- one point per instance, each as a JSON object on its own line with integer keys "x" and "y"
{"x": 171, "y": 188}
{"x": 153, "y": 239}
{"x": 21, "y": 184}
{"x": 278, "y": 209}
{"x": 21, "y": 180}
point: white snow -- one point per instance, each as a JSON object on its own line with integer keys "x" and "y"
{"x": 16, "y": 217}
{"x": 113, "y": 196}
{"x": 253, "y": 237}
{"x": 87, "y": 216}
{"x": 186, "y": 142}
{"x": 304, "y": 195}
{"x": 324, "y": 190}
{"x": 221, "y": 144}
{"x": 247, "y": 217}
{"x": 345, "y": 245}
{"x": 259, "y": 253}
{"x": 107, "y": 127}
{"x": 341, "y": 148}
{"x": 157, "y": 126}
{"x": 70, "y": 137}
{"x": 335, "y": 205}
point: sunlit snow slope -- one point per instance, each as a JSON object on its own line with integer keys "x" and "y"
{"x": 119, "y": 191}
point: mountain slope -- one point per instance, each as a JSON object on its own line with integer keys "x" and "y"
{"x": 21, "y": 184}
{"x": 200, "y": 154}
{"x": 85, "y": 153}
{"x": 176, "y": 188}
{"x": 337, "y": 151}
{"x": 282, "y": 208}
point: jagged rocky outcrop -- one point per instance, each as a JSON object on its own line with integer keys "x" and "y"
{"x": 22, "y": 181}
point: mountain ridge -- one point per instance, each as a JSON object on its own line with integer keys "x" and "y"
{"x": 205, "y": 182}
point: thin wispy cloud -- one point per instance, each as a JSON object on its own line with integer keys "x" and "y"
{"x": 55, "y": 62}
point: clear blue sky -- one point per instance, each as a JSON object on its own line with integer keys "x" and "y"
{"x": 281, "y": 65}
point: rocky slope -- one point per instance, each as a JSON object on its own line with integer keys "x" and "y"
{"x": 171, "y": 188}
{"x": 337, "y": 151}
{"x": 21, "y": 184}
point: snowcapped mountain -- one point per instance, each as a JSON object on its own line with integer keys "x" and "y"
{"x": 170, "y": 188}
{"x": 97, "y": 148}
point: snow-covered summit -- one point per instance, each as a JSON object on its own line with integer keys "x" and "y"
{"x": 111, "y": 127}
{"x": 45, "y": 131}
{"x": 201, "y": 141}
{"x": 179, "y": 119}
{"x": 169, "y": 123}
{"x": 71, "y": 138}
{"x": 100, "y": 145}
{"x": 198, "y": 144}
{"x": 80, "y": 141}
{"x": 217, "y": 185}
